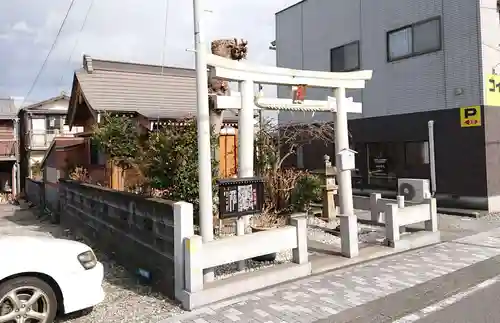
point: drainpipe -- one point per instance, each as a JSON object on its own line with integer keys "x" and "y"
{"x": 432, "y": 157}
{"x": 17, "y": 174}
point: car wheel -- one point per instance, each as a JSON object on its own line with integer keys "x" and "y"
{"x": 27, "y": 299}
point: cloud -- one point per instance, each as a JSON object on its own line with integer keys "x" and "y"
{"x": 126, "y": 30}
{"x": 22, "y": 26}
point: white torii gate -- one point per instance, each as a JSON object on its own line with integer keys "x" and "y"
{"x": 247, "y": 75}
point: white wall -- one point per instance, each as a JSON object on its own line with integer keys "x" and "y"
{"x": 490, "y": 40}
{"x": 59, "y": 106}
{"x": 38, "y": 124}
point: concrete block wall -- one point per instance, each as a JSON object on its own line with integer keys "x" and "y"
{"x": 51, "y": 196}
{"x": 34, "y": 191}
{"x": 138, "y": 231}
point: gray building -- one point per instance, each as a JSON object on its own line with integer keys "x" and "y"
{"x": 429, "y": 59}
{"x": 425, "y": 54}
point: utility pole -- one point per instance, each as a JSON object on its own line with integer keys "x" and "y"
{"x": 204, "y": 133}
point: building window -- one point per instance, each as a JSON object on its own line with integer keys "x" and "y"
{"x": 384, "y": 160}
{"x": 54, "y": 122}
{"x": 345, "y": 58}
{"x": 417, "y": 153}
{"x": 416, "y": 39}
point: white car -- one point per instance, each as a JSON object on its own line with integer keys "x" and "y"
{"x": 41, "y": 277}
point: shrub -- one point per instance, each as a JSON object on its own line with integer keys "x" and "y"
{"x": 170, "y": 161}
{"x": 308, "y": 190}
{"x": 118, "y": 136}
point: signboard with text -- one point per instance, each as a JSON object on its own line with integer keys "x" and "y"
{"x": 378, "y": 166}
{"x": 240, "y": 196}
{"x": 492, "y": 86}
{"x": 470, "y": 116}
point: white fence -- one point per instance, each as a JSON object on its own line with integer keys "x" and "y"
{"x": 396, "y": 214}
{"x": 193, "y": 256}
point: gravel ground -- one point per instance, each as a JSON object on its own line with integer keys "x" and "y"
{"x": 318, "y": 230}
{"x": 127, "y": 300}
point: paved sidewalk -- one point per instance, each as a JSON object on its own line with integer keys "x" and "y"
{"x": 321, "y": 296}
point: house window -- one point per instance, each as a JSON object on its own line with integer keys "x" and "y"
{"x": 416, "y": 39}
{"x": 417, "y": 153}
{"x": 54, "y": 123}
{"x": 345, "y": 58}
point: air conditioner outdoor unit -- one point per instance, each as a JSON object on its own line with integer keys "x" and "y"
{"x": 414, "y": 189}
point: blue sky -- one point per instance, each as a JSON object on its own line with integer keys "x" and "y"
{"x": 127, "y": 30}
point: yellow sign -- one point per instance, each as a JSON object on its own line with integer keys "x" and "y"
{"x": 470, "y": 116}
{"x": 493, "y": 90}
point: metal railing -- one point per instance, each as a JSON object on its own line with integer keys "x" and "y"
{"x": 41, "y": 139}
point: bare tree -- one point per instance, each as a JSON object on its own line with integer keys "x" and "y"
{"x": 277, "y": 142}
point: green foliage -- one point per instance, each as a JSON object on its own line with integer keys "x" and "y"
{"x": 308, "y": 190}
{"x": 119, "y": 138}
{"x": 170, "y": 161}
{"x": 167, "y": 158}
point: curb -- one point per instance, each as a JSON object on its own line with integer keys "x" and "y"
{"x": 463, "y": 212}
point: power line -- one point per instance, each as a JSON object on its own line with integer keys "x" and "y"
{"x": 167, "y": 5}
{"x": 50, "y": 51}
{"x": 77, "y": 39}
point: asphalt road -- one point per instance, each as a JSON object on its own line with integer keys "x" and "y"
{"x": 483, "y": 306}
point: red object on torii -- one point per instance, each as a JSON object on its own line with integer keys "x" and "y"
{"x": 299, "y": 93}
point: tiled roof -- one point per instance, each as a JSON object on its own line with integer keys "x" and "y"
{"x": 153, "y": 91}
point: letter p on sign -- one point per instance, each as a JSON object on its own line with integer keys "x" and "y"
{"x": 470, "y": 116}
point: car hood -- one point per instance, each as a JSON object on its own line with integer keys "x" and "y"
{"x": 45, "y": 255}
{"x": 43, "y": 246}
